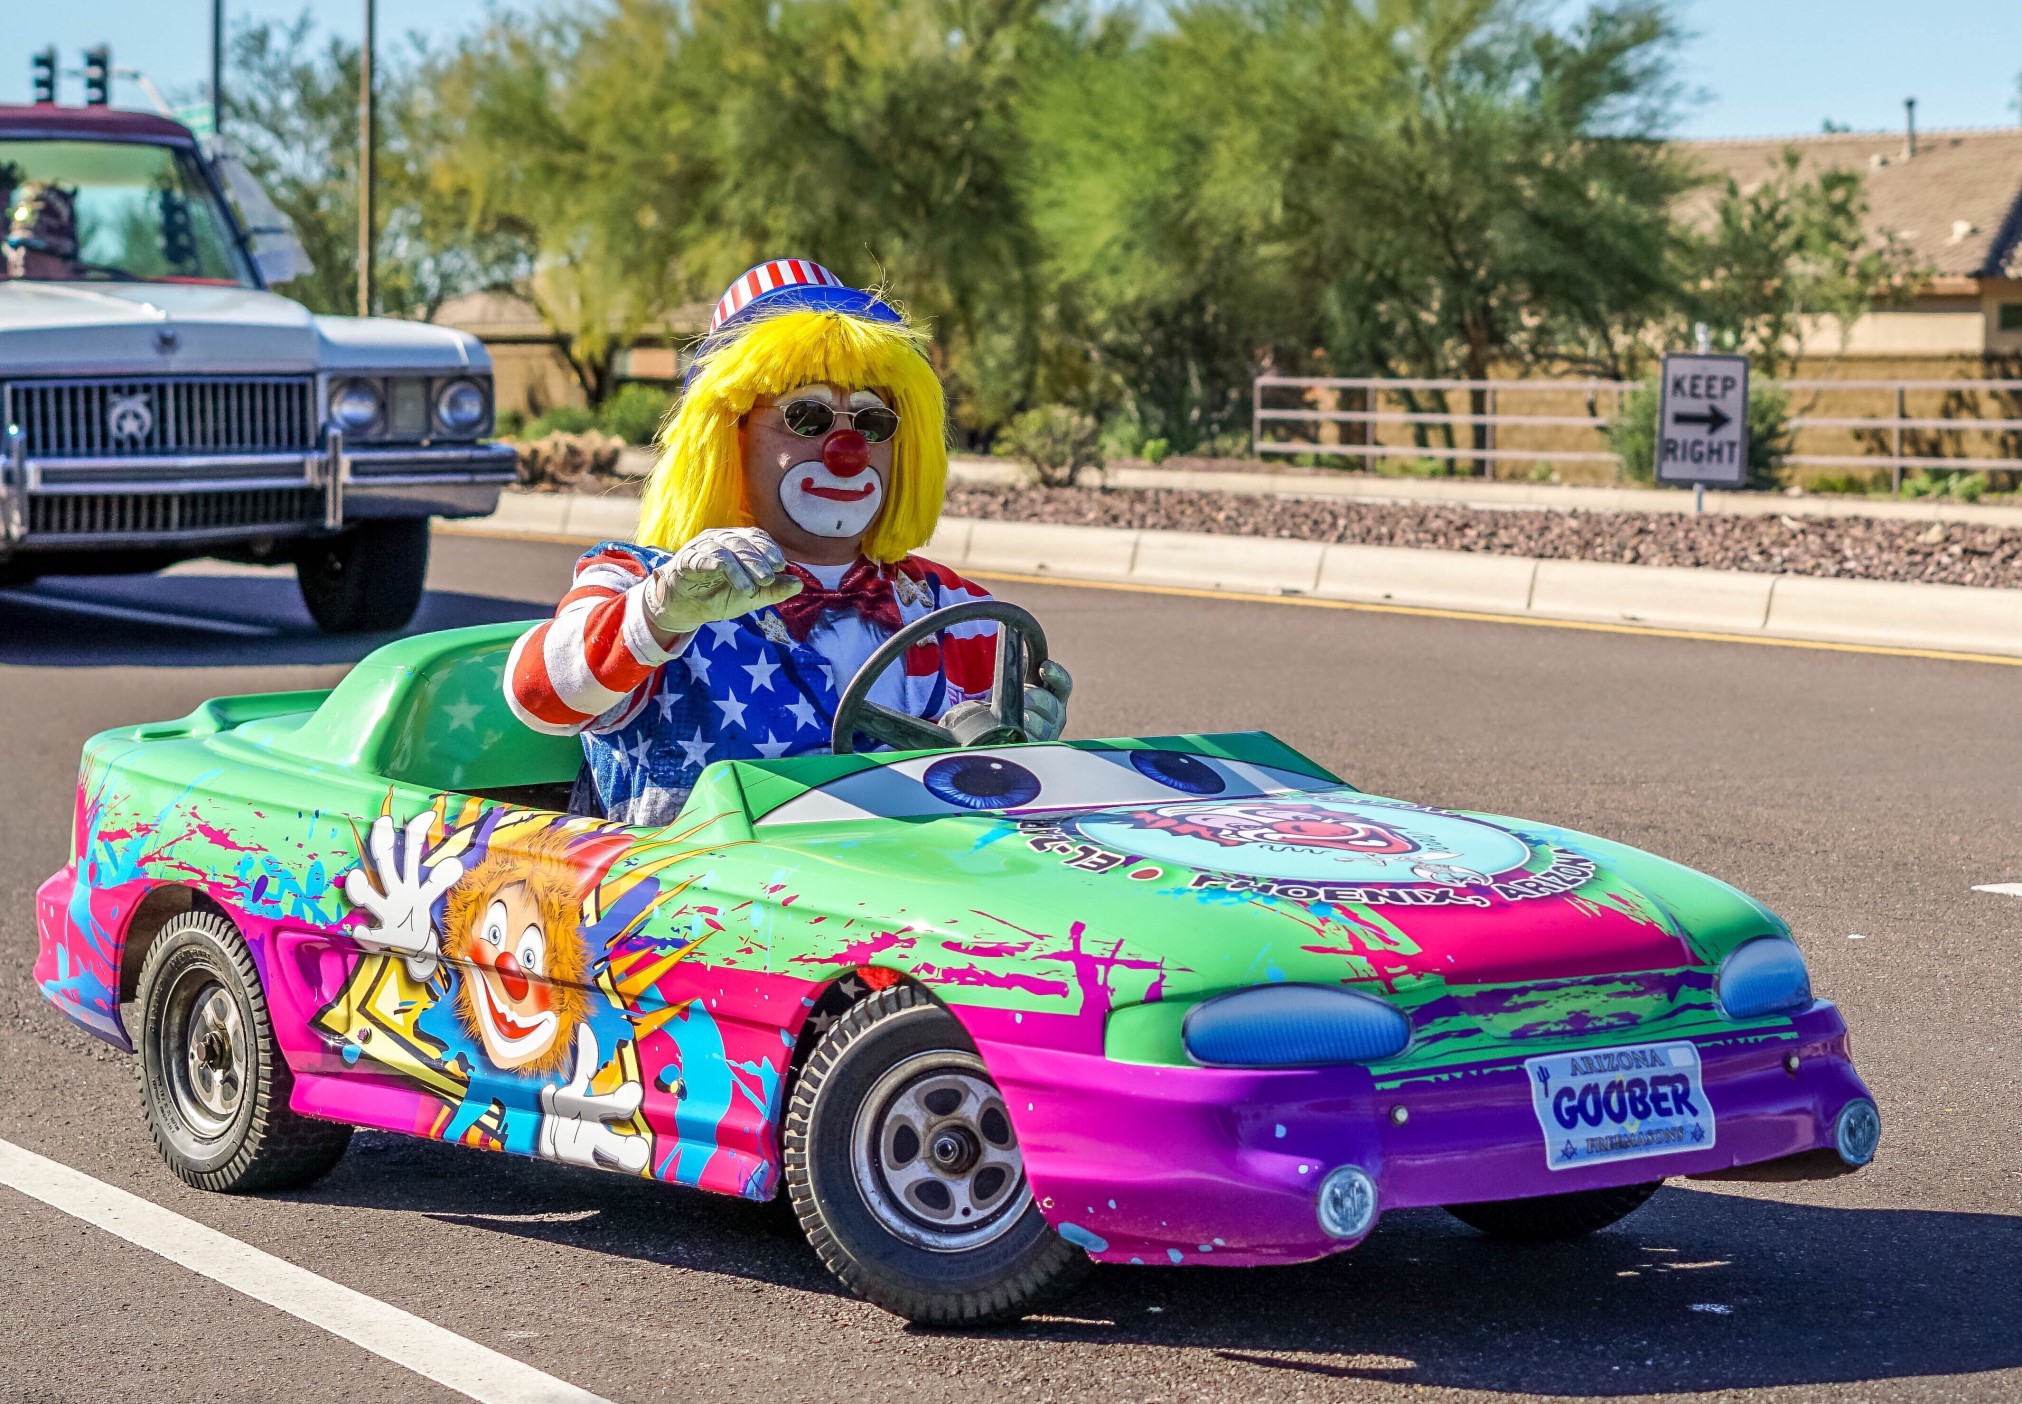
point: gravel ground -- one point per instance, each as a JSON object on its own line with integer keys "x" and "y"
{"x": 1855, "y": 548}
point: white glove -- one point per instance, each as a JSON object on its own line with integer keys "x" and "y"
{"x": 401, "y": 901}
{"x": 575, "y": 1121}
{"x": 1046, "y": 704}
{"x": 721, "y": 573}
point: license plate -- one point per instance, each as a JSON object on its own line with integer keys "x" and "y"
{"x": 1609, "y": 1104}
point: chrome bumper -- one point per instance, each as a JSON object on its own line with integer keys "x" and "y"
{"x": 62, "y": 503}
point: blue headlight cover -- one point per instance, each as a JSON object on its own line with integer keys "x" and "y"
{"x": 1763, "y": 976}
{"x": 1292, "y": 1026}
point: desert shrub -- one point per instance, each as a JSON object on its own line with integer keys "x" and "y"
{"x": 634, "y": 413}
{"x": 558, "y": 462}
{"x": 508, "y": 423}
{"x": 1964, "y": 487}
{"x": 1632, "y": 434}
{"x": 1054, "y": 443}
{"x": 562, "y": 419}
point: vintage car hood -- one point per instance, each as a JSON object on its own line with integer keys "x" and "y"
{"x": 57, "y": 329}
{"x": 64, "y": 329}
{"x": 1325, "y": 886}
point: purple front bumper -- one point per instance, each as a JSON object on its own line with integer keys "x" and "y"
{"x": 1151, "y": 1164}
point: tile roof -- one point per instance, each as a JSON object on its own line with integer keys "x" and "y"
{"x": 1957, "y": 203}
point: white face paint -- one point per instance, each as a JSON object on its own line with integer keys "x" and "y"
{"x": 820, "y": 502}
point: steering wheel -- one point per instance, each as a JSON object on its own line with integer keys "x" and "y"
{"x": 1000, "y": 721}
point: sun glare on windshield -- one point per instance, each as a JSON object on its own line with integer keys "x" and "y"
{"x": 100, "y": 211}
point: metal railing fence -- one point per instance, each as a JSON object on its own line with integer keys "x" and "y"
{"x": 1896, "y": 441}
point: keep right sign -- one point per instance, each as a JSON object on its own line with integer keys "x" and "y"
{"x": 1702, "y": 421}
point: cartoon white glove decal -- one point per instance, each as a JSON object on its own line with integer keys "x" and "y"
{"x": 721, "y": 573}
{"x": 575, "y": 1121}
{"x": 400, "y": 902}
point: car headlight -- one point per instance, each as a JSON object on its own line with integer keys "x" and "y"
{"x": 1289, "y": 1026}
{"x": 460, "y": 407}
{"x": 1762, "y": 976}
{"x": 354, "y": 405}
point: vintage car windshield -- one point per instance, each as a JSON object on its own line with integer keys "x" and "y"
{"x": 122, "y": 212}
{"x": 1035, "y": 779}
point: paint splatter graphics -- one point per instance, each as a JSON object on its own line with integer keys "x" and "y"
{"x": 443, "y": 959}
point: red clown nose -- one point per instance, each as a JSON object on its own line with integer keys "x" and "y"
{"x": 846, "y": 453}
{"x": 511, "y": 975}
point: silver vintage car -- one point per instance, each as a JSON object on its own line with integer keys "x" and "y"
{"x": 160, "y": 403}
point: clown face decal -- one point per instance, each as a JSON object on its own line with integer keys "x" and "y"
{"x": 514, "y": 924}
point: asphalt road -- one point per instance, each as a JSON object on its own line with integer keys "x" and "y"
{"x": 1862, "y": 796}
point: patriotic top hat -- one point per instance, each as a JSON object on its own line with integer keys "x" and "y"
{"x": 793, "y": 284}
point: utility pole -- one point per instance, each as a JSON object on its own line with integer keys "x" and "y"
{"x": 366, "y": 161}
{"x": 218, "y": 66}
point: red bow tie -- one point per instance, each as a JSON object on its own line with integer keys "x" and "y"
{"x": 865, "y": 591}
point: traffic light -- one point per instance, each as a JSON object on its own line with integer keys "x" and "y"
{"x": 43, "y": 66}
{"x": 97, "y": 76}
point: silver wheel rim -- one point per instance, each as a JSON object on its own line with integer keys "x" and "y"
{"x": 206, "y": 1054}
{"x": 935, "y": 1155}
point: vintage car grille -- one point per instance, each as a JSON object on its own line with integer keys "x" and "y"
{"x": 162, "y": 513}
{"x": 155, "y": 416}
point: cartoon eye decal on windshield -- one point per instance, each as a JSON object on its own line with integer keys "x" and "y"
{"x": 1179, "y": 770}
{"x": 981, "y": 782}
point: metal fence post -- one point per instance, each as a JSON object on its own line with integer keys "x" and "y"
{"x": 1896, "y": 447}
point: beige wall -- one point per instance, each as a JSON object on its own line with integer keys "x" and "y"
{"x": 532, "y": 376}
{"x": 1993, "y": 294}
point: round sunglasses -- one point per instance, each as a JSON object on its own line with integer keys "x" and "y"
{"x": 810, "y": 419}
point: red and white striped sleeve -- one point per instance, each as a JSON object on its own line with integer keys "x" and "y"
{"x": 967, "y": 653}
{"x": 593, "y": 665}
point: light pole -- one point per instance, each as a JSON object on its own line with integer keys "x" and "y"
{"x": 218, "y": 66}
{"x": 366, "y": 161}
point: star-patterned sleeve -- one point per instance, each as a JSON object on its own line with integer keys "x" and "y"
{"x": 591, "y": 666}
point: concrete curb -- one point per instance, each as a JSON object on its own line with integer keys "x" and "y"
{"x": 1950, "y": 618}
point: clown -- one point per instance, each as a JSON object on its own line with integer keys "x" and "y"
{"x": 805, "y": 463}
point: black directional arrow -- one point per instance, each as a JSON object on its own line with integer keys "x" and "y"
{"x": 1715, "y": 419}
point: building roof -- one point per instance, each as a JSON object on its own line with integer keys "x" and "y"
{"x": 107, "y": 123}
{"x": 1957, "y": 203}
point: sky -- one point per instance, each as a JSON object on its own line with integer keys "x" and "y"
{"x": 1758, "y": 67}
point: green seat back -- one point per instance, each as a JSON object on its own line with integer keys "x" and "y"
{"x": 431, "y": 712}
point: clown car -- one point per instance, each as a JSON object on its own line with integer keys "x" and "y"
{"x": 982, "y": 1009}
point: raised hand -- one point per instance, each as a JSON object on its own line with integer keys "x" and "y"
{"x": 575, "y": 1122}
{"x": 721, "y": 573}
{"x": 399, "y": 896}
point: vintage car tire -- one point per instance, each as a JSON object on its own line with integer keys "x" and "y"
{"x": 366, "y": 580}
{"x": 1554, "y": 1216}
{"x": 199, "y": 972}
{"x": 1020, "y": 1265}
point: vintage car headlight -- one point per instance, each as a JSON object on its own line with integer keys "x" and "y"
{"x": 1290, "y": 1026}
{"x": 460, "y": 407}
{"x": 1763, "y": 976}
{"x": 355, "y": 405}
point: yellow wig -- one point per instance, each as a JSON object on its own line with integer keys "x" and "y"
{"x": 699, "y": 481}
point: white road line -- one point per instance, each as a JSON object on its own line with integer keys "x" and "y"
{"x": 135, "y": 614}
{"x": 2002, "y": 889}
{"x": 407, "y": 1340}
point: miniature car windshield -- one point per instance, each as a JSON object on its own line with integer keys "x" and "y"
{"x": 114, "y": 211}
{"x": 1029, "y": 779}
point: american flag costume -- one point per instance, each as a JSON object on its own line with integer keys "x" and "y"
{"x": 740, "y": 689}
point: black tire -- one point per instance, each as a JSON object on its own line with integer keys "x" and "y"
{"x": 1554, "y": 1216}
{"x": 367, "y": 580}
{"x": 211, "y": 1137}
{"x": 877, "y": 1056}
